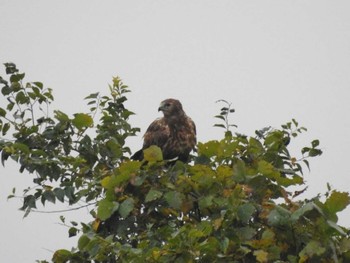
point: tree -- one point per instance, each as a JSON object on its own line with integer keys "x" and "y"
{"x": 232, "y": 203}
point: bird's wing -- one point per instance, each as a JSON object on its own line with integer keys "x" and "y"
{"x": 157, "y": 134}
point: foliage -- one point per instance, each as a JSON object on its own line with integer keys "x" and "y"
{"x": 233, "y": 203}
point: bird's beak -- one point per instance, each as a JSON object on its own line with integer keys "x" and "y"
{"x": 161, "y": 107}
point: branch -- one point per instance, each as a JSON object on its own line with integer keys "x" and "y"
{"x": 64, "y": 210}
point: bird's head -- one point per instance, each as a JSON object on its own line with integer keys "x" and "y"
{"x": 170, "y": 107}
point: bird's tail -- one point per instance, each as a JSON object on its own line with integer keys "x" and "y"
{"x": 137, "y": 156}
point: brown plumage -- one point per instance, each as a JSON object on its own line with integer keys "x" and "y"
{"x": 175, "y": 133}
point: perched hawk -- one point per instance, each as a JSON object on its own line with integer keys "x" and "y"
{"x": 175, "y": 133}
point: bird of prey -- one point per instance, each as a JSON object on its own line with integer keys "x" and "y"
{"x": 174, "y": 133}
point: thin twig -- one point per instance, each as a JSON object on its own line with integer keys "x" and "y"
{"x": 63, "y": 210}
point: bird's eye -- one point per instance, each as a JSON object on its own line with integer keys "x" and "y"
{"x": 167, "y": 105}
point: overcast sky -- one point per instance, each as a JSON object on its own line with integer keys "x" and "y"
{"x": 274, "y": 60}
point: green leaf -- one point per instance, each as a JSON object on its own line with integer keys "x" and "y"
{"x": 239, "y": 171}
{"x": 83, "y": 241}
{"x": 203, "y": 175}
{"x": 307, "y": 164}
{"x": 2, "y": 112}
{"x": 61, "y": 256}
{"x": 268, "y": 170}
{"x": 305, "y": 150}
{"x": 6, "y": 90}
{"x": 61, "y": 116}
{"x": 302, "y": 211}
{"x": 115, "y": 180}
{"x": 92, "y": 96}
{"x": 153, "y": 195}
{"x": 17, "y": 77}
{"x": 224, "y": 244}
{"x": 337, "y": 202}
{"x": 10, "y": 196}
{"x": 114, "y": 147}
{"x": 195, "y": 233}
{"x": 10, "y": 105}
{"x": 82, "y": 120}
{"x": 311, "y": 249}
{"x": 59, "y": 193}
{"x": 21, "y": 147}
{"x": 21, "y": 98}
{"x": 2, "y": 81}
{"x": 344, "y": 245}
{"x": 126, "y": 207}
{"x": 92, "y": 248}
{"x": 69, "y": 192}
{"x": 106, "y": 208}
{"x": 208, "y": 149}
{"x": 72, "y": 231}
{"x": 130, "y": 167}
{"x": 10, "y": 68}
{"x": 245, "y": 212}
{"x": 220, "y": 126}
{"x": 246, "y": 233}
{"x": 279, "y": 216}
{"x": 48, "y": 195}
{"x": 224, "y": 172}
{"x": 274, "y": 140}
{"x": 48, "y": 94}
{"x": 206, "y": 201}
{"x": 5, "y": 128}
{"x": 29, "y": 202}
{"x": 63, "y": 219}
{"x": 295, "y": 122}
{"x": 174, "y": 199}
{"x": 39, "y": 84}
{"x": 205, "y": 227}
{"x": 255, "y": 146}
{"x": 220, "y": 117}
{"x": 315, "y": 143}
{"x": 127, "y": 170}
{"x": 336, "y": 227}
{"x": 315, "y": 152}
{"x": 32, "y": 95}
{"x": 153, "y": 154}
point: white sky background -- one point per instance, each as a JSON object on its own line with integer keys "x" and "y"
{"x": 274, "y": 60}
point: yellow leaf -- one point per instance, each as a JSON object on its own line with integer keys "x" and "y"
{"x": 105, "y": 182}
{"x": 82, "y": 120}
{"x": 153, "y": 154}
{"x": 217, "y": 223}
{"x": 261, "y": 255}
{"x": 96, "y": 224}
{"x": 156, "y": 254}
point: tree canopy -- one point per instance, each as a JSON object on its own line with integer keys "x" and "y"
{"x": 238, "y": 200}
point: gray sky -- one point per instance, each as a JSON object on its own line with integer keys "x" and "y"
{"x": 274, "y": 60}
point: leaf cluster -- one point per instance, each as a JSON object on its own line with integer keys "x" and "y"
{"x": 224, "y": 116}
{"x": 232, "y": 203}
{"x": 68, "y": 156}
